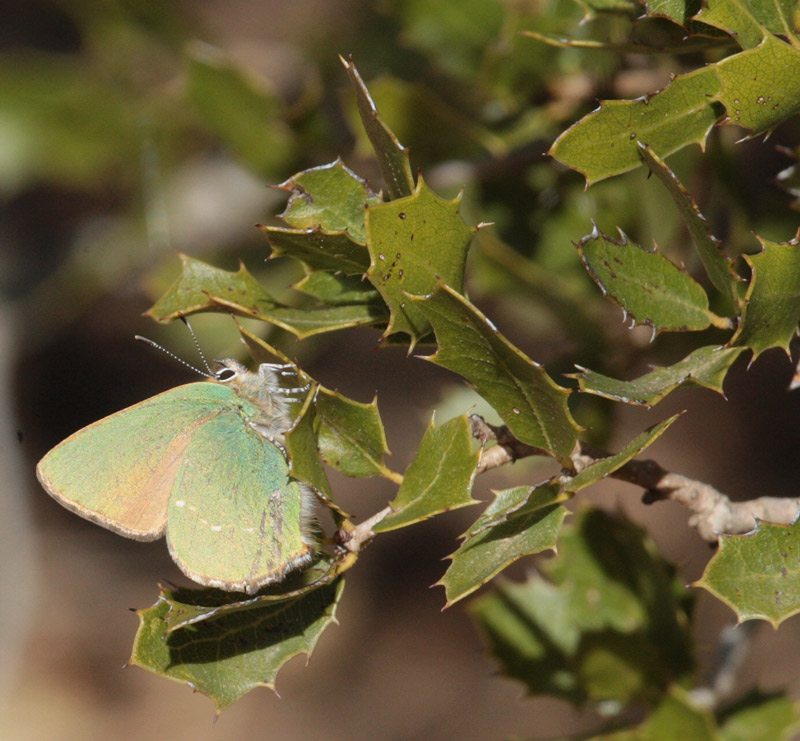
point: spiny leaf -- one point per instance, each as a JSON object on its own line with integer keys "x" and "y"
{"x": 748, "y": 22}
{"x": 392, "y": 156}
{"x": 645, "y": 284}
{"x": 606, "y": 466}
{"x": 757, "y": 574}
{"x": 706, "y": 366}
{"x": 605, "y": 627}
{"x": 319, "y": 249}
{"x": 717, "y": 265}
{"x": 486, "y": 553}
{"x": 760, "y": 87}
{"x": 301, "y": 447}
{"x": 340, "y": 290}
{"x": 350, "y": 435}
{"x": 331, "y": 197}
{"x": 772, "y": 302}
{"x": 604, "y": 143}
{"x": 414, "y": 244}
{"x": 227, "y": 657}
{"x": 202, "y": 287}
{"x": 439, "y": 478}
{"x": 532, "y": 405}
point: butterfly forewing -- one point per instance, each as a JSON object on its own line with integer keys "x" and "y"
{"x": 118, "y": 472}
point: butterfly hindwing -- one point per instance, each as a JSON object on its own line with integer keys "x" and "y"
{"x": 236, "y": 519}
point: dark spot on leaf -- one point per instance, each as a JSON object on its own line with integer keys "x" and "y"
{"x": 402, "y": 215}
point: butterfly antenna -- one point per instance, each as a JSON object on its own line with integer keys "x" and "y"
{"x": 196, "y": 343}
{"x": 173, "y": 355}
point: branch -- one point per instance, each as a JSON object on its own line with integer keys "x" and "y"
{"x": 712, "y": 512}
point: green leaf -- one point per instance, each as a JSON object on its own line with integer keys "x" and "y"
{"x": 340, "y": 290}
{"x": 393, "y": 160}
{"x": 761, "y": 718}
{"x": 648, "y": 287}
{"x": 415, "y": 243}
{"x": 331, "y": 197}
{"x": 606, "y": 627}
{"x": 706, "y": 366}
{"x": 487, "y": 551}
{"x": 749, "y": 20}
{"x": 772, "y": 302}
{"x": 350, "y": 435}
{"x": 318, "y": 249}
{"x": 439, "y": 478}
{"x": 301, "y": 446}
{"x": 202, "y": 287}
{"x": 605, "y": 142}
{"x": 240, "y": 108}
{"x": 718, "y": 267}
{"x": 760, "y": 87}
{"x": 227, "y": 657}
{"x": 757, "y": 574}
{"x": 606, "y": 466}
{"x": 532, "y": 405}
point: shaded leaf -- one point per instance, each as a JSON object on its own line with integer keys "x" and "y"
{"x": 227, "y": 657}
{"x": 757, "y": 574}
{"x": 439, "y": 478}
{"x": 606, "y": 466}
{"x": 760, "y": 87}
{"x": 772, "y": 302}
{"x": 350, "y": 435}
{"x": 330, "y": 197}
{"x": 607, "y": 625}
{"x": 301, "y": 447}
{"x": 706, "y": 366}
{"x": 414, "y": 244}
{"x": 759, "y": 717}
{"x": 604, "y": 143}
{"x": 319, "y": 249}
{"x": 648, "y": 287}
{"x": 340, "y": 290}
{"x": 532, "y": 405}
{"x": 486, "y": 553}
{"x": 393, "y": 160}
{"x": 718, "y": 267}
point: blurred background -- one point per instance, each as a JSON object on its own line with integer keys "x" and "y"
{"x": 131, "y": 130}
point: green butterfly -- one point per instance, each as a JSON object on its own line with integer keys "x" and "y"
{"x": 204, "y": 464}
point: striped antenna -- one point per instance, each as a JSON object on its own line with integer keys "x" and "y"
{"x": 175, "y": 357}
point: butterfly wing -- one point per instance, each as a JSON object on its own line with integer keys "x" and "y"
{"x": 119, "y": 471}
{"x": 236, "y": 520}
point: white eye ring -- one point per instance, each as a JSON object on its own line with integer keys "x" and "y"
{"x": 225, "y": 375}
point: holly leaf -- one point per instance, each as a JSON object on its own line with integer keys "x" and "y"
{"x": 759, "y": 717}
{"x": 606, "y": 466}
{"x": 532, "y": 405}
{"x": 605, "y": 142}
{"x": 757, "y": 574}
{"x": 393, "y": 159}
{"x": 439, "y": 478}
{"x": 760, "y": 87}
{"x": 718, "y": 267}
{"x": 486, "y": 551}
{"x": 706, "y": 367}
{"x": 341, "y": 290}
{"x": 331, "y": 198}
{"x": 749, "y": 22}
{"x": 318, "y": 249}
{"x": 350, "y": 435}
{"x": 649, "y": 288}
{"x": 227, "y": 657}
{"x": 202, "y": 287}
{"x": 414, "y": 244}
{"x": 772, "y": 302}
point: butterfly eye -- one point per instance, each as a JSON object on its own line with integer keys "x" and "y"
{"x": 225, "y": 375}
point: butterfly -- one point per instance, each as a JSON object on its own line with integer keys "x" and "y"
{"x": 203, "y": 464}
